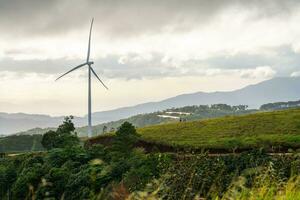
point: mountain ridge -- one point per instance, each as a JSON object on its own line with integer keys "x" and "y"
{"x": 233, "y": 97}
{"x": 254, "y": 95}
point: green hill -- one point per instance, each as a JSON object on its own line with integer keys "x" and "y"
{"x": 264, "y": 129}
{"x": 21, "y": 143}
{"x": 253, "y": 130}
{"x": 196, "y": 112}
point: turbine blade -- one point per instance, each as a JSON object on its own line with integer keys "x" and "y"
{"x": 89, "y": 46}
{"x": 98, "y": 78}
{"x": 77, "y": 67}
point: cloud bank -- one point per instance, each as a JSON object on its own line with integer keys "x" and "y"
{"x": 120, "y": 18}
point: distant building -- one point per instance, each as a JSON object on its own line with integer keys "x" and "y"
{"x": 168, "y": 116}
{"x": 178, "y": 113}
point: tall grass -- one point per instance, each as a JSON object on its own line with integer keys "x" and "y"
{"x": 276, "y": 178}
{"x": 267, "y": 190}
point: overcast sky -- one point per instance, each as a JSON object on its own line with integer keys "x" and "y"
{"x": 143, "y": 50}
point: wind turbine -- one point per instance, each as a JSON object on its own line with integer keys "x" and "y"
{"x": 90, "y": 70}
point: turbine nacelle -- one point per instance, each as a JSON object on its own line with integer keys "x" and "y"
{"x": 90, "y": 63}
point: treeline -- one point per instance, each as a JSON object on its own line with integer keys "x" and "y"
{"x": 201, "y": 108}
{"x": 280, "y": 105}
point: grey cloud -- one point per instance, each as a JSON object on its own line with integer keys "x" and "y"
{"x": 120, "y": 18}
{"x": 134, "y": 66}
{"x": 283, "y": 59}
{"x": 11, "y": 52}
{"x": 37, "y": 66}
{"x": 109, "y": 67}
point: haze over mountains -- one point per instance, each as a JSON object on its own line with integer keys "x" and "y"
{"x": 274, "y": 90}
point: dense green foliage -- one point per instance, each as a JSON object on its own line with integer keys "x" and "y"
{"x": 102, "y": 173}
{"x": 265, "y": 129}
{"x": 64, "y": 136}
{"x": 252, "y": 175}
{"x": 73, "y": 172}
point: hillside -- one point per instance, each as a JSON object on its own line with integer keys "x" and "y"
{"x": 264, "y": 129}
{"x": 274, "y": 90}
{"x": 21, "y": 143}
{"x": 206, "y": 135}
{"x": 170, "y": 115}
{"x": 15, "y": 122}
{"x": 260, "y": 129}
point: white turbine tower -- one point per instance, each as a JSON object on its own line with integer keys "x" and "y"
{"x": 90, "y": 70}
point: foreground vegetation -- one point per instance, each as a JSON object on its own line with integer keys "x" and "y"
{"x": 67, "y": 170}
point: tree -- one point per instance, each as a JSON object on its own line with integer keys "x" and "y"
{"x": 125, "y": 138}
{"x": 104, "y": 129}
{"x": 67, "y": 126}
{"x": 64, "y": 136}
{"x": 48, "y": 140}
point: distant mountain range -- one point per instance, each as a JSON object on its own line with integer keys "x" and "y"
{"x": 11, "y": 123}
{"x": 274, "y": 90}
